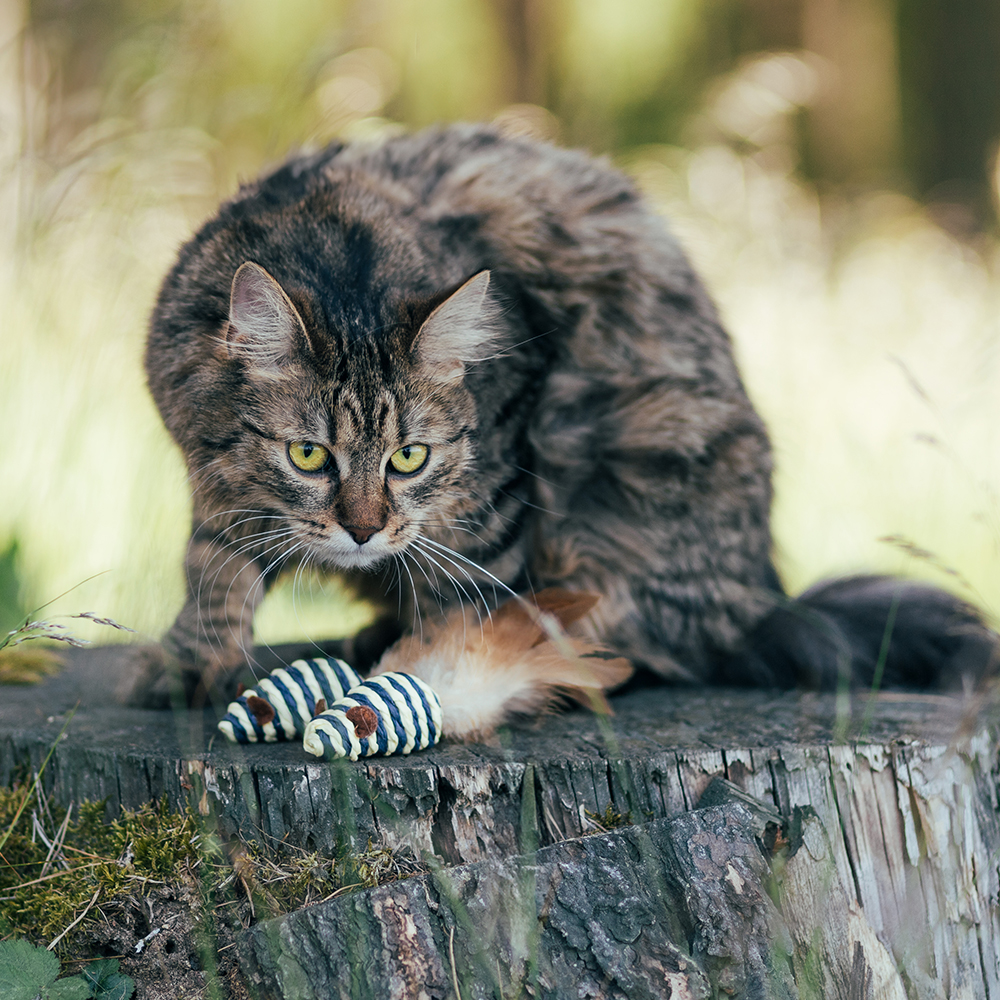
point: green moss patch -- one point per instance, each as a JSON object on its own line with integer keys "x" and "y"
{"x": 158, "y": 889}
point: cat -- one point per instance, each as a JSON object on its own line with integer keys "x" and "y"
{"x": 456, "y": 365}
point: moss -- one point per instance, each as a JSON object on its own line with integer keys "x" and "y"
{"x": 609, "y": 819}
{"x": 28, "y": 666}
{"x": 52, "y": 868}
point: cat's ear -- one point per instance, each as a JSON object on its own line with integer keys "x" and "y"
{"x": 264, "y": 326}
{"x": 459, "y": 331}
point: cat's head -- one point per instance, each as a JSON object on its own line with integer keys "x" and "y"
{"x": 357, "y": 444}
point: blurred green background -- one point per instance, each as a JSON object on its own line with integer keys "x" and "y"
{"x": 830, "y": 166}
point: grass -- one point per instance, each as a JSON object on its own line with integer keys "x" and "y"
{"x": 21, "y": 665}
{"x": 608, "y": 820}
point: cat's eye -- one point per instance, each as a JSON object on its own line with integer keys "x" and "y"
{"x": 308, "y": 456}
{"x": 409, "y": 458}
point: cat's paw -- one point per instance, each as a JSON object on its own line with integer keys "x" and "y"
{"x": 153, "y": 676}
{"x": 158, "y": 676}
{"x": 150, "y": 678}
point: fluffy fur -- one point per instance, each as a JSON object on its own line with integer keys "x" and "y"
{"x": 519, "y": 312}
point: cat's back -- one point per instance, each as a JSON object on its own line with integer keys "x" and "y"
{"x": 470, "y": 192}
{"x": 565, "y": 229}
{"x": 568, "y": 234}
{"x": 445, "y": 169}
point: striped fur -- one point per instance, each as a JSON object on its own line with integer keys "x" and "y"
{"x": 518, "y": 310}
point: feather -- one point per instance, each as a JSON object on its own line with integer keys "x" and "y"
{"x": 518, "y": 662}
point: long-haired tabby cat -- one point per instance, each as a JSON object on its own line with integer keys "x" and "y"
{"x": 459, "y": 365}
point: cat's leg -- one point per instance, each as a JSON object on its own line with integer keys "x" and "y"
{"x": 212, "y": 636}
{"x": 676, "y": 626}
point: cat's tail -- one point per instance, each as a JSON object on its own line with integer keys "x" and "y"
{"x": 517, "y": 661}
{"x": 867, "y": 631}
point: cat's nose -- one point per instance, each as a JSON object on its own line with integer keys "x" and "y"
{"x": 361, "y": 532}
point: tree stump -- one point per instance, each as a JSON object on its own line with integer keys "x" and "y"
{"x": 773, "y": 845}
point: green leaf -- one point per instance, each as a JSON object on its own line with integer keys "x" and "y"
{"x": 25, "y": 971}
{"x": 71, "y": 988}
{"x": 116, "y": 987}
{"x": 107, "y": 982}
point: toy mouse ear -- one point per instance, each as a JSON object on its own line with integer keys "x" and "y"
{"x": 458, "y": 332}
{"x": 264, "y": 327}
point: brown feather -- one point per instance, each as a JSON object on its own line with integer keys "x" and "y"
{"x": 518, "y": 662}
{"x": 527, "y": 616}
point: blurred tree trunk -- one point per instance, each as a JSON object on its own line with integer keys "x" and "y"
{"x": 853, "y": 127}
{"x": 12, "y": 102}
{"x": 525, "y": 35}
{"x": 949, "y": 65}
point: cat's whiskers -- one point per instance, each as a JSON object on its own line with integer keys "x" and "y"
{"x": 279, "y": 537}
{"x": 195, "y": 473}
{"x": 454, "y": 582}
{"x": 438, "y": 596}
{"x": 245, "y": 544}
{"x": 460, "y": 568}
{"x": 296, "y": 582}
{"x": 528, "y": 503}
{"x": 393, "y": 564}
{"x": 213, "y": 474}
{"x": 490, "y": 506}
{"x": 452, "y": 528}
{"x": 215, "y": 637}
{"x": 203, "y": 478}
{"x": 229, "y": 528}
{"x": 465, "y": 520}
{"x": 303, "y": 565}
{"x": 465, "y": 599}
{"x": 250, "y": 662}
{"x": 413, "y": 590}
{"x": 435, "y": 589}
{"x": 434, "y": 585}
{"x": 238, "y": 635}
{"x": 245, "y": 541}
{"x": 209, "y": 490}
{"x": 451, "y": 555}
{"x": 534, "y": 475}
{"x": 234, "y": 510}
{"x": 551, "y": 627}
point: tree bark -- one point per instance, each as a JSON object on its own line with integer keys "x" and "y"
{"x": 843, "y": 851}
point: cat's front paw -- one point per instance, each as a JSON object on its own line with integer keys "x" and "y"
{"x": 150, "y": 678}
{"x": 155, "y": 676}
